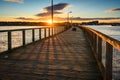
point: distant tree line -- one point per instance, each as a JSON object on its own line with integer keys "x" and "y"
{"x": 21, "y": 23}
{"x": 55, "y": 24}
{"x": 97, "y": 23}
{"x": 28, "y": 24}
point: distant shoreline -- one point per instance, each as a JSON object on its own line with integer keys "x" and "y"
{"x": 56, "y": 24}
{"x": 27, "y": 24}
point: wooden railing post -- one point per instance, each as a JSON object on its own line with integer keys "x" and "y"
{"x": 99, "y": 49}
{"x": 23, "y": 37}
{"x": 93, "y": 39}
{"x": 108, "y": 63}
{"x": 52, "y": 31}
{"x": 44, "y": 32}
{"x": 9, "y": 41}
{"x": 95, "y": 42}
{"x": 49, "y": 32}
{"x": 33, "y": 35}
{"x": 90, "y": 33}
{"x": 62, "y": 29}
{"x": 56, "y": 31}
{"x": 40, "y": 34}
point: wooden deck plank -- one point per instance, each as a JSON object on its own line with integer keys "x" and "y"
{"x": 66, "y": 56}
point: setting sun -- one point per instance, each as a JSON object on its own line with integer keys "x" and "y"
{"x": 49, "y": 21}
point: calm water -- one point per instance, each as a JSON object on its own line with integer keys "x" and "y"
{"x": 113, "y": 31}
{"x": 18, "y": 27}
{"x": 17, "y": 36}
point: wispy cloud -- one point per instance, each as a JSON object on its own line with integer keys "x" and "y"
{"x": 113, "y": 10}
{"x": 108, "y": 18}
{"x": 24, "y": 18}
{"x": 57, "y": 9}
{"x": 17, "y": 1}
{"x": 46, "y": 14}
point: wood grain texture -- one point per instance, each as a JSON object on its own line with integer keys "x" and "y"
{"x": 66, "y": 56}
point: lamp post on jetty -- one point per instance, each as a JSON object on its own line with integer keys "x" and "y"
{"x": 68, "y": 18}
{"x": 52, "y": 13}
{"x": 71, "y": 20}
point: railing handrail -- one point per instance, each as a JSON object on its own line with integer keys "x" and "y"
{"x": 104, "y": 59}
{"x": 115, "y": 43}
{"x": 45, "y": 31}
{"x": 24, "y": 29}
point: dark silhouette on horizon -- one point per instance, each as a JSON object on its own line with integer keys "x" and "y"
{"x": 56, "y": 24}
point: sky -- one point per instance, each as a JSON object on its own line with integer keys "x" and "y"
{"x": 40, "y": 10}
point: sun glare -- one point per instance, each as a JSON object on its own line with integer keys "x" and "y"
{"x": 49, "y": 21}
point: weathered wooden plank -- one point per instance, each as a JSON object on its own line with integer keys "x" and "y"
{"x": 66, "y": 56}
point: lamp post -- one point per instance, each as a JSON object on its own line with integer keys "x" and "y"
{"x": 68, "y": 17}
{"x": 71, "y": 20}
{"x": 52, "y": 13}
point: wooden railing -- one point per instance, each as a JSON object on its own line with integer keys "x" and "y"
{"x": 96, "y": 40}
{"x": 12, "y": 39}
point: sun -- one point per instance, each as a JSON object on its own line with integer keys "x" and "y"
{"x": 49, "y": 21}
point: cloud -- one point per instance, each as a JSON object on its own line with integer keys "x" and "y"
{"x": 57, "y": 9}
{"x": 113, "y": 10}
{"x": 108, "y": 18}
{"x": 23, "y": 18}
{"x": 46, "y": 14}
{"x": 17, "y": 1}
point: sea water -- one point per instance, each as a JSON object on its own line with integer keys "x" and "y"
{"x": 114, "y": 32}
{"x": 17, "y": 36}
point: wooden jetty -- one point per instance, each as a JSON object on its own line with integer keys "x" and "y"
{"x": 66, "y": 56}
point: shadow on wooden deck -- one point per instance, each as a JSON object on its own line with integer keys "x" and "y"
{"x": 66, "y": 56}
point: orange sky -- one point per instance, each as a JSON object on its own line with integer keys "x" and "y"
{"x": 40, "y": 10}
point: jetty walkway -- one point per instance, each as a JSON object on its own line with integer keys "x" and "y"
{"x": 66, "y": 56}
